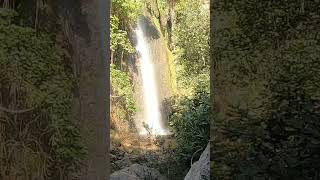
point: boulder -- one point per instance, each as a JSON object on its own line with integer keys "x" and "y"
{"x": 137, "y": 172}
{"x": 200, "y": 170}
{"x": 124, "y": 162}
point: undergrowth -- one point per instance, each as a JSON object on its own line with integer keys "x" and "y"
{"x": 35, "y": 79}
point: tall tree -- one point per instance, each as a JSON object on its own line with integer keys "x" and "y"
{"x": 87, "y": 35}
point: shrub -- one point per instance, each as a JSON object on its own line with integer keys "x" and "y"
{"x": 190, "y": 123}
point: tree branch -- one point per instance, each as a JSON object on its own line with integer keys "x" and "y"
{"x": 13, "y": 111}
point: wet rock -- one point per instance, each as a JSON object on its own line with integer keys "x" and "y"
{"x": 137, "y": 159}
{"x": 125, "y": 162}
{"x": 200, "y": 170}
{"x": 117, "y": 153}
{"x": 137, "y": 172}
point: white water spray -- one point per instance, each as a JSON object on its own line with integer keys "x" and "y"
{"x": 152, "y": 115}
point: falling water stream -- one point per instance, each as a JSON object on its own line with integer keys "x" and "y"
{"x": 151, "y": 115}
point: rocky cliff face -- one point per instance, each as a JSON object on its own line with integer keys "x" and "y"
{"x": 200, "y": 170}
{"x": 159, "y": 54}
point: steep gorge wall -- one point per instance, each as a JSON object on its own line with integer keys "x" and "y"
{"x": 161, "y": 56}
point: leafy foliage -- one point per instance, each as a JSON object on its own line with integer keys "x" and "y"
{"x": 191, "y": 111}
{"x": 121, "y": 86}
{"x": 7, "y": 16}
{"x": 191, "y": 44}
{"x": 192, "y": 36}
{"x": 270, "y": 130}
{"x": 119, "y": 38}
{"x": 127, "y": 10}
{"x": 31, "y": 65}
{"x": 124, "y": 13}
{"x": 190, "y": 122}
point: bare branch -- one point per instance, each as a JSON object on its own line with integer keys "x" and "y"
{"x": 13, "y": 111}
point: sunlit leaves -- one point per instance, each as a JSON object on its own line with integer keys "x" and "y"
{"x": 128, "y": 10}
{"x": 121, "y": 86}
{"x": 124, "y": 13}
{"x": 119, "y": 38}
{"x": 192, "y": 35}
{"x": 190, "y": 122}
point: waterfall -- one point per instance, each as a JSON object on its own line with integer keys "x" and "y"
{"x": 151, "y": 115}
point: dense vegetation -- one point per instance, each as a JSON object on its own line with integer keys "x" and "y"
{"x": 266, "y": 54}
{"x": 124, "y": 13}
{"x": 35, "y": 94}
{"x": 190, "y": 118}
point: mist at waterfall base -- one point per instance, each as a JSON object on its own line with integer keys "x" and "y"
{"x": 151, "y": 115}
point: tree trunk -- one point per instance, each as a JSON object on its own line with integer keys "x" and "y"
{"x": 170, "y": 22}
{"x": 111, "y": 59}
{"x": 121, "y": 60}
{"x": 159, "y": 15}
{"x": 87, "y": 26}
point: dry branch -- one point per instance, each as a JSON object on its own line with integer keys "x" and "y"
{"x": 12, "y": 111}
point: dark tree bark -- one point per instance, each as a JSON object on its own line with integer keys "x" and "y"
{"x": 112, "y": 57}
{"x": 121, "y": 60}
{"x": 87, "y": 29}
{"x": 93, "y": 92}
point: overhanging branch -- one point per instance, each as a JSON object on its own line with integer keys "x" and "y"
{"x": 14, "y": 111}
